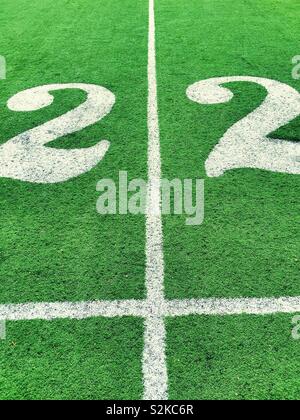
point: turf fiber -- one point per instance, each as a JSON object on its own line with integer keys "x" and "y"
{"x": 54, "y": 245}
{"x": 248, "y": 243}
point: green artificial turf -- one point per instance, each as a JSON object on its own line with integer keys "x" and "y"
{"x": 54, "y": 245}
{"x": 248, "y": 244}
{"x": 72, "y": 359}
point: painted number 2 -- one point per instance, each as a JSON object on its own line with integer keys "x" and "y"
{"x": 25, "y": 156}
{"x": 246, "y": 143}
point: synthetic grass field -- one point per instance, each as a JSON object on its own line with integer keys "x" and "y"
{"x": 55, "y": 248}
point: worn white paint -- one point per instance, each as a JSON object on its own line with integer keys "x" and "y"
{"x": 154, "y": 358}
{"x": 2, "y": 68}
{"x": 142, "y": 309}
{"x": 26, "y": 158}
{"x": 246, "y": 143}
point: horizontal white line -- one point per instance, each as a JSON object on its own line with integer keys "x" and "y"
{"x": 251, "y": 306}
{"x": 144, "y": 309}
{"x": 73, "y": 310}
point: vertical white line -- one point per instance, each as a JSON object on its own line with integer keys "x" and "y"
{"x": 154, "y": 361}
{"x": 154, "y": 246}
{"x": 154, "y": 357}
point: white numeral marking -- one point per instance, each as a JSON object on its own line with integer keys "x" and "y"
{"x": 246, "y": 143}
{"x": 25, "y": 156}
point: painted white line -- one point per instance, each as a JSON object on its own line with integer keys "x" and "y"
{"x": 144, "y": 309}
{"x": 25, "y": 156}
{"x": 247, "y": 144}
{"x": 154, "y": 358}
{"x": 155, "y": 308}
{"x": 72, "y": 310}
{"x": 250, "y": 306}
{"x": 154, "y": 244}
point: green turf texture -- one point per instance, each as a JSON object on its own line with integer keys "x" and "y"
{"x": 249, "y": 243}
{"x": 72, "y": 359}
{"x": 233, "y": 358}
{"x": 54, "y": 245}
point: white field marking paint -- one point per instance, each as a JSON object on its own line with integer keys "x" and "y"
{"x": 238, "y": 306}
{"x": 154, "y": 357}
{"x": 141, "y": 308}
{"x": 25, "y": 156}
{"x": 154, "y": 246}
{"x": 155, "y": 308}
{"x": 246, "y": 143}
{"x": 72, "y": 310}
